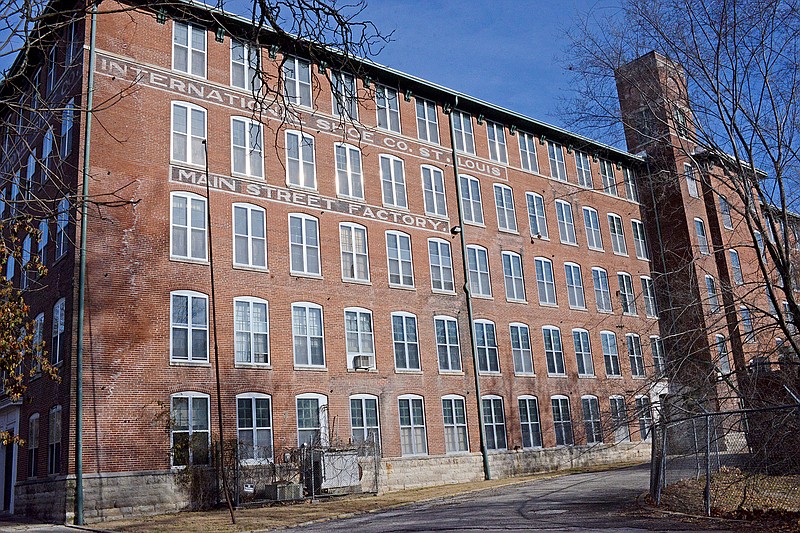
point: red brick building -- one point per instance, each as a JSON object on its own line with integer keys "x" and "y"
{"x": 364, "y": 270}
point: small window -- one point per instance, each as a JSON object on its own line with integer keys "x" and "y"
{"x": 591, "y": 222}
{"x": 504, "y": 202}
{"x": 32, "y": 443}
{"x": 681, "y": 124}
{"x": 562, "y": 420}
{"x": 312, "y": 419}
{"x": 462, "y": 130}
{"x": 575, "y": 293}
{"x": 631, "y": 190}
{"x": 512, "y": 274}
{"x": 355, "y": 256}
{"x": 608, "y": 341}
{"x": 702, "y": 238}
{"x": 67, "y": 135}
{"x": 645, "y": 416}
{"x": 566, "y": 226}
{"x": 52, "y": 70}
{"x": 47, "y": 156}
{"x": 247, "y": 147}
{"x": 584, "y": 168}
{"x": 413, "y": 440}
{"x": 245, "y": 65}
{"x": 536, "y": 216}
{"x": 691, "y": 180}
{"x": 254, "y": 427}
{"x": 74, "y": 43}
{"x": 388, "y": 108}
{"x": 30, "y": 174}
{"x": 747, "y": 324}
{"x": 723, "y": 362}
{"x": 486, "y": 344}
{"x": 188, "y": 221}
{"x": 345, "y": 95}
{"x": 558, "y": 168}
{"x": 553, "y": 351}
{"x": 309, "y": 345}
{"x": 401, "y": 267}
{"x": 304, "y": 250}
{"x": 527, "y": 152}
{"x": 494, "y": 423}
{"x": 406, "y": 342}
{"x": 635, "y": 354}
{"x": 441, "y": 263}
{"x": 251, "y": 330}
{"x": 58, "y": 345}
{"x": 249, "y": 236}
{"x": 591, "y": 420}
{"x": 471, "y": 200}
{"x": 25, "y": 273}
{"x": 545, "y": 283}
{"x": 657, "y": 348}
{"x": 602, "y": 294}
{"x": 711, "y": 292}
{"x": 521, "y": 349}
{"x": 297, "y": 81}
{"x": 189, "y": 319}
{"x": 349, "y": 174}
{"x": 617, "y": 235}
{"x": 497, "y": 142}
{"x": 189, "y": 49}
{"x": 736, "y": 267}
{"x": 619, "y": 419}
{"x": 38, "y": 343}
{"x": 300, "y": 160}
{"x": 639, "y": 240}
{"x": 725, "y": 211}
{"x": 54, "y": 441}
{"x": 427, "y": 121}
{"x": 364, "y": 420}
{"x": 188, "y": 133}
{"x": 359, "y": 338}
{"x": 190, "y": 435}
{"x": 583, "y": 352}
{"x": 455, "y": 424}
{"x": 608, "y": 178}
{"x": 433, "y": 191}
{"x": 478, "y": 270}
{"x": 393, "y": 182}
{"x": 649, "y": 297}
{"x": 447, "y": 346}
{"x": 530, "y": 422}
{"x": 626, "y": 295}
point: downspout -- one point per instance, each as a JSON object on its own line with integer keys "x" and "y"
{"x": 82, "y": 275}
{"x": 484, "y": 452}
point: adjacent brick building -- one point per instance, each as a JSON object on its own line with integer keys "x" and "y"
{"x": 340, "y": 299}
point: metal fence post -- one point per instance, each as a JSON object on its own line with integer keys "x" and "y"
{"x": 707, "y": 492}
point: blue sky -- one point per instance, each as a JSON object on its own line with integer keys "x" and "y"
{"x": 502, "y": 51}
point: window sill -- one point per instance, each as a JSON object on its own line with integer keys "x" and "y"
{"x": 655, "y": 317}
{"x": 575, "y": 244}
{"x": 407, "y": 371}
{"x": 311, "y": 368}
{"x": 482, "y": 297}
{"x": 613, "y": 376}
{"x": 524, "y": 374}
{"x": 585, "y": 309}
{"x": 264, "y": 270}
{"x": 350, "y": 198}
{"x": 621, "y": 254}
{"x": 356, "y": 281}
{"x": 441, "y": 291}
{"x": 556, "y": 375}
{"x": 606, "y": 311}
{"x": 254, "y": 366}
{"x": 630, "y": 314}
{"x": 404, "y": 209}
{"x": 352, "y": 370}
{"x": 587, "y": 376}
{"x": 189, "y": 260}
{"x": 643, "y": 258}
{"x": 476, "y": 224}
{"x": 638, "y": 377}
{"x": 402, "y": 287}
{"x": 514, "y": 301}
{"x": 202, "y": 364}
{"x": 508, "y": 231}
{"x": 601, "y": 250}
{"x": 304, "y": 275}
{"x": 381, "y": 128}
{"x": 547, "y": 239}
{"x": 247, "y": 176}
{"x": 295, "y": 186}
{"x": 545, "y": 304}
{"x": 451, "y": 372}
{"x": 199, "y": 166}
{"x": 488, "y": 373}
{"x": 437, "y": 216}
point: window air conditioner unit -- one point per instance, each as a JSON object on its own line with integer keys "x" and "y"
{"x": 362, "y": 362}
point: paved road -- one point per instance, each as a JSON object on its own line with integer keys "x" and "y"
{"x": 601, "y": 501}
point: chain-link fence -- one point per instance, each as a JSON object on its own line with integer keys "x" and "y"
{"x": 724, "y": 462}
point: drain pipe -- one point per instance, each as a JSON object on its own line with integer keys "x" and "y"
{"x": 484, "y": 452}
{"x": 82, "y": 276}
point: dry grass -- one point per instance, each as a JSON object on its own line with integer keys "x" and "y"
{"x": 286, "y": 515}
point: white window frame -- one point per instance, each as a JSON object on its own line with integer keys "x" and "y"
{"x": 608, "y": 178}
{"x": 471, "y": 203}
{"x": 486, "y": 346}
{"x": 480, "y": 280}
{"x": 406, "y": 345}
{"x": 631, "y": 190}
{"x": 639, "y": 240}
{"x": 191, "y": 49}
{"x": 494, "y": 422}
{"x": 496, "y": 135}
{"x": 413, "y": 446}
{"x": 67, "y": 123}
{"x": 725, "y": 213}
{"x": 608, "y": 343}
{"x": 364, "y": 339}
{"x": 307, "y": 361}
{"x": 513, "y": 277}
{"x": 253, "y": 149}
{"x": 393, "y": 184}
{"x": 44, "y": 232}
{"x": 399, "y": 260}
{"x": 192, "y": 141}
{"x": 308, "y": 250}
{"x": 533, "y": 424}
{"x": 349, "y": 171}
{"x": 255, "y": 429}
{"x": 736, "y": 267}
{"x": 583, "y": 167}
{"x": 250, "y": 66}
{"x": 521, "y": 351}
{"x": 344, "y": 95}
{"x": 251, "y": 332}
{"x": 441, "y": 265}
{"x": 566, "y": 223}
{"x": 427, "y": 121}
{"x": 306, "y": 167}
{"x": 32, "y": 442}
{"x": 724, "y": 363}
{"x": 190, "y": 430}
{"x": 592, "y": 426}
{"x": 361, "y": 433}
{"x": 54, "y": 435}
{"x": 201, "y": 231}
{"x": 189, "y": 327}
{"x": 463, "y": 136}
{"x": 702, "y": 236}
{"x": 296, "y": 88}
{"x": 602, "y": 291}
{"x": 504, "y": 204}
{"x": 527, "y": 152}
{"x": 447, "y": 344}
{"x": 575, "y": 293}
{"x": 456, "y": 434}
{"x": 746, "y": 318}
{"x": 627, "y": 296}
{"x": 558, "y": 167}
{"x": 657, "y": 350}
{"x": 634, "y": 344}
{"x": 545, "y": 281}
{"x": 554, "y": 355}
{"x": 583, "y": 352}
{"x": 644, "y": 414}
{"x": 347, "y": 237}
{"x": 57, "y": 347}
{"x": 691, "y": 180}
{"x": 387, "y": 108}
{"x": 562, "y": 425}
{"x": 433, "y": 190}
{"x": 591, "y": 221}
{"x": 617, "y": 231}
{"x": 537, "y": 216}
{"x": 322, "y": 414}
{"x": 254, "y": 244}
{"x": 649, "y": 297}
{"x": 618, "y": 413}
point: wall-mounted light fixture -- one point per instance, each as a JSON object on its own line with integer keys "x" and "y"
{"x": 273, "y": 51}
{"x": 407, "y": 95}
{"x": 595, "y": 158}
{"x": 447, "y": 108}
{"x": 542, "y": 139}
{"x": 512, "y": 130}
{"x": 619, "y": 165}
{"x": 455, "y": 230}
{"x": 367, "y": 81}
{"x": 219, "y": 34}
{"x": 161, "y": 16}
{"x": 322, "y": 67}
{"x": 480, "y": 118}
{"x": 570, "y": 149}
